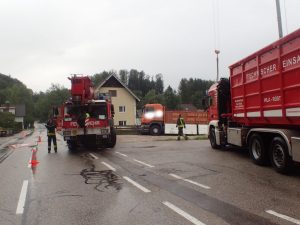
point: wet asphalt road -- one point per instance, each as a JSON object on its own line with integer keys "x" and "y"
{"x": 143, "y": 180}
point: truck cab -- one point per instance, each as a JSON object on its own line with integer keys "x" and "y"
{"x": 152, "y": 120}
{"x": 219, "y": 112}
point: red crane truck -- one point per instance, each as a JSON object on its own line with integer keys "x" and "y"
{"x": 259, "y": 105}
{"x": 84, "y": 119}
{"x": 155, "y": 119}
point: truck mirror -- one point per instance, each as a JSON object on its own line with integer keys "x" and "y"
{"x": 203, "y": 103}
{"x": 112, "y": 110}
{"x": 55, "y": 111}
{"x": 210, "y": 101}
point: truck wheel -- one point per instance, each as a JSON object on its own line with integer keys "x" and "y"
{"x": 112, "y": 139}
{"x": 280, "y": 158}
{"x": 212, "y": 138}
{"x": 155, "y": 130}
{"x": 257, "y": 150}
{"x": 72, "y": 146}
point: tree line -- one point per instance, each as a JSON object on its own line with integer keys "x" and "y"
{"x": 151, "y": 89}
{"x": 148, "y": 88}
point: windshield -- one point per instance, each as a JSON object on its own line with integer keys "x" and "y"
{"x": 148, "y": 109}
{"x": 97, "y": 111}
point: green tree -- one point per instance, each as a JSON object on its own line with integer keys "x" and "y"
{"x": 171, "y": 99}
{"x": 53, "y": 97}
{"x": 7, "y": 120}
{"x": 152, "y": 97}
{"x": 159, "y": 84}
{"x": 193, "y": 90}
{"x": 123, "y": 74}
{"x": 133, "y": 80}
{"x": 98, "y": 78}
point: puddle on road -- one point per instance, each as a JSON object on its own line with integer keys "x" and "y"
{"x": 103, "y": 180}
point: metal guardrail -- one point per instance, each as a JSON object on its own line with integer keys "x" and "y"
{"x": 127, "y": 129}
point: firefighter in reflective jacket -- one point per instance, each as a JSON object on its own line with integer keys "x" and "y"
{"x": 51, "y": 134}
{"x": 180, "y": 124}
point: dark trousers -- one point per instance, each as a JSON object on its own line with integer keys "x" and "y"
{"x": 180, "y": 131}
{"x": 50, "y": 138}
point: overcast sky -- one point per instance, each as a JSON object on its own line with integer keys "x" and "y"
{"x": 44, "y": 41}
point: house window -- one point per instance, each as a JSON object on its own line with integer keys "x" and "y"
{"x": 112, "y": 93}
{"x": 122, "y": 123}
{"x": 122, "y": 108}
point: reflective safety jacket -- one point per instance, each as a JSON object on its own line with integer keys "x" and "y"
{"x": 180, "y": 122}
{"x": 50, "y": 128}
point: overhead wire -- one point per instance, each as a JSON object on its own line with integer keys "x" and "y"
{"x": 285, "y": 17}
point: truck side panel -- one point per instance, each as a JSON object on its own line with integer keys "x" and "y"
{"x": 190, "y": 117}
{"x": 266, "y": 85}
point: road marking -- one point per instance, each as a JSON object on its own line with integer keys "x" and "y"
{"x": 93, "y": 156}
{"x": 175, "y": 176}
{"x": 22, "y": 198}
{"x": 137, "y": 185}
{"x": 108, "y": 166}
{"x": 190, "y": 181}
{"x": 143, "y": 163}
{"x": 290, "y": 219}
{"x": 183, "y": 213}
{"x": 121, "y": 154}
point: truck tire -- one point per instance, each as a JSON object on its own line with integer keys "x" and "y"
{"x": 112, "y": 139}
{"x": 257, "y": 150}
{"x": 212, "y": 138}
{"x": 72, "y": 146}
{"x": 155, "y": 130}
{"x": 280, "y": 158}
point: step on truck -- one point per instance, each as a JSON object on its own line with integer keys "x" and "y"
{"x": 85, "y": 119}
{"x": 259, "y": 105}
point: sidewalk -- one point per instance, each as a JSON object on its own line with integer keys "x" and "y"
{"x": 5, "y": 141}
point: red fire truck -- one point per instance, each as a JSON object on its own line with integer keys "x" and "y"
{"x": 259, "y": 105}
{"x": 84, "y": 119}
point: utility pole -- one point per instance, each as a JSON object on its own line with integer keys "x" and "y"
{"x": 279, "y": 18}
{"x": 217, "y": 53}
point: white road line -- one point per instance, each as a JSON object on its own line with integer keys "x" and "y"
{"x": 137, "y": 185}
{"x": 290, "y": 219}
{"x": 175, "y": 176}
{"x": 183, "y": 213}
{"x": 143, "y": 163}
{"x": 121, "y": 154}
{"x": 190, "y": 181}
{"x": 22, "y": 198}
{"x": 93, "y": 156}
{"x": 108, "y": 166}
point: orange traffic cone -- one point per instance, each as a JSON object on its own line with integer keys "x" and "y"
{"x": 40, "y": 139}
{"x": 33, "y": 161}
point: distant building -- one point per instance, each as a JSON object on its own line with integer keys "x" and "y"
{"x": 18, "y": 110}
{"x": 123, "y": 99}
